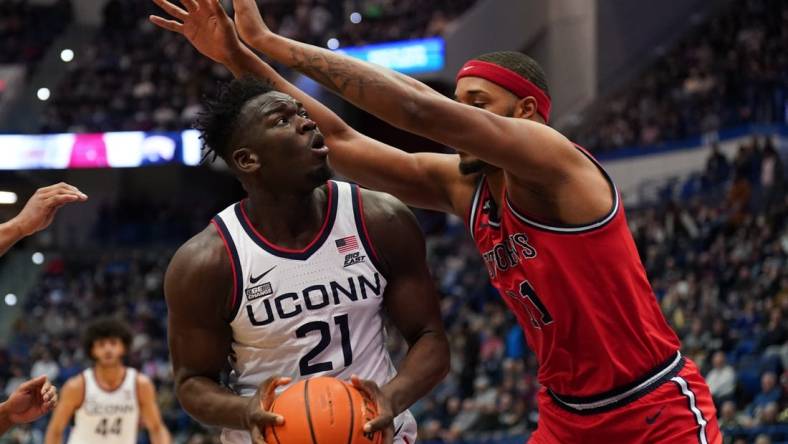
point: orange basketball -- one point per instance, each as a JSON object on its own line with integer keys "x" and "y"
{"x": 322, "y": 410}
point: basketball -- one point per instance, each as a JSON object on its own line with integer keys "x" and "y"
{"x": 322, "y": 410}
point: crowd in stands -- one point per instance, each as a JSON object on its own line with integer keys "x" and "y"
{"x": 730, "y": 70}
{"x": 135, "y": 76}
{"x": 27, "y": 29}
{"x": 718, "y": 262}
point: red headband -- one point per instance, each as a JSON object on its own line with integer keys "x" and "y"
{"x": 513, "y": 82}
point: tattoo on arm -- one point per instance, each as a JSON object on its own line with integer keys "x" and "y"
{"x": 336, "y": 75}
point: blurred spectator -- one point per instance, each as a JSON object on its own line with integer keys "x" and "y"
{"x": 770, "y": 393}
{"x": 136, "y": 77}
{"x": 27, "y": 29}
{"x": 717, "y": 166}
{"x": 721, "y": 378}
{"x": 728, "y": 71}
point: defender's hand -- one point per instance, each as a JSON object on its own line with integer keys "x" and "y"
{"x": 30, "y": 401}
{"x": 205, "y": 24}
{"x": 384, "y": 422}
{"x": 249, "y": 22}
{"x": 258, "y": 415}
{"x": 41, "y": 208}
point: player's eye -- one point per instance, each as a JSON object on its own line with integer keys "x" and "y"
{"x": 282, "y": 121}
{"x": 481, "y": 105}
{"x": 303, "y": 113}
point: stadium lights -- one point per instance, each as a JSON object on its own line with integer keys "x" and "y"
{"x": 7, "y": 198}
{"x": 332, "y": 44}
{"x": 38, "y": 258}
{"x": 355, "y": 18}
{"x": 10, "y": 299}
{"x": 67, "y": 55}
{"x": 43, "y": 94}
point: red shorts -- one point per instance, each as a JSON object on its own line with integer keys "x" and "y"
{"x": 675, "y": 408}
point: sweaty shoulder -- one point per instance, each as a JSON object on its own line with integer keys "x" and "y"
{"x": 393, "y": 229}
{"x": 200, "y": 275}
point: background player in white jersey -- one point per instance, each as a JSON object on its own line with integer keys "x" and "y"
{"x": 294, "y": 281}
{"x": 107, "y": 400}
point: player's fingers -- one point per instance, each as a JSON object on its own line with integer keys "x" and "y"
{"x": 171, "y": 9}
{"x": 369, "y": 388}
{"x": 33, "y": 384}
{"x": 388, "y": 435}
{"x": 191, "y": 5}
{"x": 169, "y": 25}
{"x": 382, "y": 422}
{"x": 268, "y": 419}
{"x": 257, "y": 436}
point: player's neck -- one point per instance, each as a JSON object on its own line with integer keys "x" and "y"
{"x": 288, "y": 218}
{"x": 110, "y": 378}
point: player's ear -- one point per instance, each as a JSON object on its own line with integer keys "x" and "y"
{"x": 525, "y": 108}
{"x": 246, "y": 160}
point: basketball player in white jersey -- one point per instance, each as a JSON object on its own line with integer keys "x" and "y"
{"x": 108, "y": 400}
{"x": 294, "y": 281}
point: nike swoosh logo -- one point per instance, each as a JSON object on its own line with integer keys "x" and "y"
{"x": 256, "y": 279}
{"x": 652, "y": 419}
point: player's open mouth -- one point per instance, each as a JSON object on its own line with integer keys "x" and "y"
{"x": 318, "y": 145}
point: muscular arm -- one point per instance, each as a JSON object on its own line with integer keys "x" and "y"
{"x": 411, "y": 300}
{"x": 540, "y": 163}
{"x": 149, "y": 411}
{"x": 71, "y": 398}
{"x": 425, "y": 180}
{"x": 197, "y": 287}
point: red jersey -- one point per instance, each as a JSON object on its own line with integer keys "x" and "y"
{"x": 580, "y": 294}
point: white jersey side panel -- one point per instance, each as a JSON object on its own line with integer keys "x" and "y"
{"x": 107, "y": 417}
{"x": 307, "y": 313}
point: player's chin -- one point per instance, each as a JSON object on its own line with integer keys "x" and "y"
{"x": 321, "y": 174}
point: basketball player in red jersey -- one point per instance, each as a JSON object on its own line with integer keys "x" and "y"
{"x": 545, "y": 216}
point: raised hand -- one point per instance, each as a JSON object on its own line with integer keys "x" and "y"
{"x": 40, "y": 210}
{"x": 205, "y": 24}
{"x": 30, "y": 401}
{"x": 249, "y": 22}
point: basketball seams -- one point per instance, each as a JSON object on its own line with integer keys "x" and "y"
{"x": 273, "y": 428}
{"x": 352, "y": 413}
{"x": 307, "y": 406}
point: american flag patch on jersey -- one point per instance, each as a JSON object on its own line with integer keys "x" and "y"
{"x": 347, "y": 244}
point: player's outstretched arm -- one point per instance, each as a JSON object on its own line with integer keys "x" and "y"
{"x": 424, "y": 180}
{"x": 198, "y": 287}
{"x": 541, "y": 164}
{"x": 149, "y": 411}
{"x": 38, "y": 213}
{"x": 411, "y": 302}
{"x": 71, "y": 398}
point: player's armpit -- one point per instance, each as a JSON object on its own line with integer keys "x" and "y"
{"x": 197, "y": 287}
{"x": 410, "y": 301}
{"x": 71, "y": 397}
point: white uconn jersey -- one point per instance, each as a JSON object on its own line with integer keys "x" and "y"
{"x": 107, "y": 417}
{"x": 311, "y": 312}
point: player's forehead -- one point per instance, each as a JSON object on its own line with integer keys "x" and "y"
{"x": 271, "y": 102}
{"x": 469, "y": 87}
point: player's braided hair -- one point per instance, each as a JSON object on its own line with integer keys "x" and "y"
{"x": 519, "y": 63}
{"x": 219, "y": 119}
{"x": 105, "y": 328}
